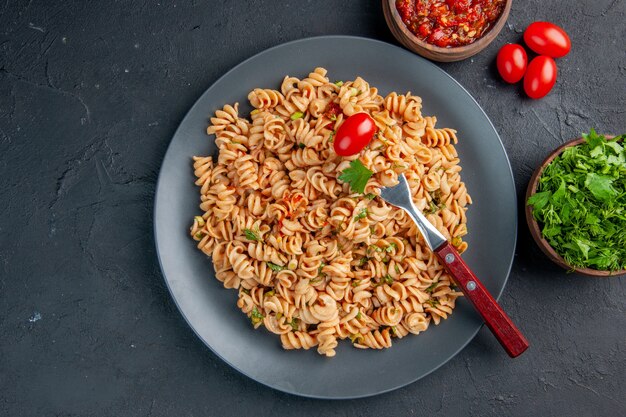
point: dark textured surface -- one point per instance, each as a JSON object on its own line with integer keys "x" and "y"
{"x": 91, "y": 93}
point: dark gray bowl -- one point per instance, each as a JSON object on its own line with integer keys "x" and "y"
{"x": 210, "y": 309}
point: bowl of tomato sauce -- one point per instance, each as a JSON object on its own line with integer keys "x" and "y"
{"x": 446, "y": 30}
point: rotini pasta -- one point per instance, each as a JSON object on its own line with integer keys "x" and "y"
{"x": 314, "y": 262}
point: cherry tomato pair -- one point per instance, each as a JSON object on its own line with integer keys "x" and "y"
{"x": 539, "y": 76}
{"x": 544, "y": 38}
{"x": 354, "y": 134}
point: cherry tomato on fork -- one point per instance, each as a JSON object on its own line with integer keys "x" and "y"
{"x": 546, "y": 38}
{"x": 354, "y": 134}
{"x": 540, "y": 77}
{"x": 512, "y": 62}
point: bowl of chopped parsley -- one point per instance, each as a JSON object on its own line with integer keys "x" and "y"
{"x": 576, "y": 205}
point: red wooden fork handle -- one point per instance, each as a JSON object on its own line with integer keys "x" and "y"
{"x": 496, "y": 319}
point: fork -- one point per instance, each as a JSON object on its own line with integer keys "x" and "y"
{"x": 495, "y": 318}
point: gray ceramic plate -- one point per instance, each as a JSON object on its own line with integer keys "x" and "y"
{"x": 210, "y": 309}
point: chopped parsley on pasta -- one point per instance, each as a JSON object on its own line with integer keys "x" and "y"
{"x": 300, "y": 232}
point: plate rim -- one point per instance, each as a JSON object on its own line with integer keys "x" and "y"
{"x": 178, "y": 130}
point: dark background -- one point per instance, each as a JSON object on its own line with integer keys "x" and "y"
{"x": 90, "y": 95}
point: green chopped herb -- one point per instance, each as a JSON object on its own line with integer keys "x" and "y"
{"x": 331, "y": 138}
{"x": 388, "y": 279}
{"x": 356, "y": 175}
{"x": 338, "y": 83}
{"x": 246, "y": 291}
{"x": 394, "y": 331}
{"x": 392, "y": 246}
{"x": 269, "y": 294}
{"x": 371, "y": 248}
{"x": 600, "y": 186}
{"x": 398, "y": 166}
{"x": 456, "y": 241}
{"x": 386, "y": 259}
{"x": 361, "y": 215}
{"x": 279, "y": 316}
{"x": 255, "y": 316}
{"x": 199, "y": 220}
{"x": 356, "y": 338}
{"x": 250, "y": 235}
{"x": 315, "y": 280}
{"x": 199, "y": 234}
{"x": 397, "y": 268}
{"x": 432, "y": 302}
{"x": 363, "y": 260}
{"x": 539, "y": 200}
{"x": 354, "y": 92}
{"x": 295, "y": 323}
{"x": 358, "y": 316}
{"x": 369, "y": 196}
{"x": 297, "y": 115}
{"x": 432, "y": 209}
{"x": 274, "y": 267}
{"x": 436, "y": 196}
{"x": 432, "y": 287}
{"x": 301, "y": 145}
{"x": 580, "y": 203}
{"x": 333, "y": 117}
{"x": 319, "y": 270}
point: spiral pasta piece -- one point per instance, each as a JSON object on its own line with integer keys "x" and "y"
{"x": 298, "y": 340}
{"x": 265, "y": 98}
{"x": 327, "y": 337}
{"x": 374, "y": 340}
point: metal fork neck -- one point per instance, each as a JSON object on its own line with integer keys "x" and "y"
{"x": 434, "y": 239}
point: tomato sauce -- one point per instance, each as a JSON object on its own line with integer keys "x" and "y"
{"x": 332, "y": 110}
{"x": 449, "y": 23}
